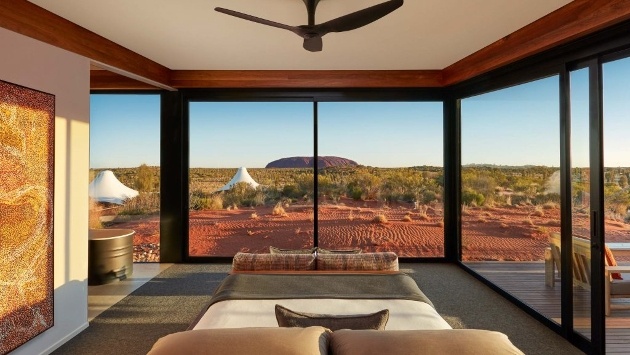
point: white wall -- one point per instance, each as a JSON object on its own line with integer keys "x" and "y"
{"x": 36, "y": 65}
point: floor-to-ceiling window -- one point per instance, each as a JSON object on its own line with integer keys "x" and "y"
{"x": 387, "y": 196}
{"x": 125, "y": 168}
{"x": 510, "y": 188}
{"x": 616, "y": 130}
{"x": 252, "y": 177}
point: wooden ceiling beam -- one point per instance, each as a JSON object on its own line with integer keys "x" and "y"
{"x": 107, "y": 80}
{"x": 305, "y": 78}
{"x": 572, "y": 21}
{"x": 28, "y": 19}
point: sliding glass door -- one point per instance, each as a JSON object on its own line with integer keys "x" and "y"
{"x": 376, "y": 184}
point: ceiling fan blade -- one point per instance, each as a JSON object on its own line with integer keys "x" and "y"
{"x": 313, "y": 44}
{"x": 298, "y": 31}
{"x": 357, "y": 19}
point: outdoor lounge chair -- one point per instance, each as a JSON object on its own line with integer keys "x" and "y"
{"x": 615, "y": 285}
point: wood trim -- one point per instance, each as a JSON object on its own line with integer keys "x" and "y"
{"x": 572, "y": 21}
{"x": 107, "y": 80}
{"x": 306, "y": 78}
{"x": 33, "y": 21}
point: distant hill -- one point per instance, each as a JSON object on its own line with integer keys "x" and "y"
{"x": 307, "y": 162}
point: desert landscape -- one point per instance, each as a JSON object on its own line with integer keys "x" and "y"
{"x": 508, "y": 213}
{"x": 514, "y": 233}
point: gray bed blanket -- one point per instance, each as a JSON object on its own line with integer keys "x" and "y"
{"x": 340, "y": 286}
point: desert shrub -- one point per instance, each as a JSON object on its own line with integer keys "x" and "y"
{"x": 144, "y": 203}
{"x": 550, "y": 206}
{"x": 429, "y": 196}
{"x": 541, "y": 199}
{"x": 538, "y": 212}
{"x": 470, "y": 197}
{"x": 243, "y": 194}
{"x": 291, "y": 191}
{"x": 518, "y": 199}
{"x": 380, "y": 218}
{"x": 356, "y": 193}
{"x": 407, "y": 218}
{"x": 254, "y": 216}
{"x": 200, "y": 200}
{"x": 144, "y": 178}
{"x": 94, "y": 216}
{"x": 278, "y": 210}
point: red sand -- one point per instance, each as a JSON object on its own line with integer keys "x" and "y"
{"x": 516, "y": 233}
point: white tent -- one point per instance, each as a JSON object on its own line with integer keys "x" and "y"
{"x": 106, "y": 188}
{"x": 241, "y": 176}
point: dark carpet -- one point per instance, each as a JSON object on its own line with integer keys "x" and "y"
{"x": 168, "y": 303}
{"x": 172, "y": 300}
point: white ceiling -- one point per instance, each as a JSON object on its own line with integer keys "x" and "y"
{"x": 190, "y": 35}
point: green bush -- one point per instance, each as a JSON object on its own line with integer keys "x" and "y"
{"x": 470, "y": 197}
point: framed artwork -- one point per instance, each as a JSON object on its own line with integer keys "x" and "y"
{"x": 27, "y": 134}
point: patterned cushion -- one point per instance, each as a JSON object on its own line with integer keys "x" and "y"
{"x": 274, "y": 250}
{"x": 289, "y": 318}
{"x": 386, "y": 261}
{"x": 260, "y": 262}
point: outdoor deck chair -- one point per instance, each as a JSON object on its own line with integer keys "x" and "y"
{"x": 615, "y": 285}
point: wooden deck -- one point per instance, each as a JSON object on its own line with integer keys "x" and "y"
{"x": 526, "y": 281}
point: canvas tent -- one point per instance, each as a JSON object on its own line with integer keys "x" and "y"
{"x": 241, "y": 176}
{"x": 106, "y": 188}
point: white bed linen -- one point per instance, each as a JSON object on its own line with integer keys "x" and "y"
{"x": 403, "y": 314}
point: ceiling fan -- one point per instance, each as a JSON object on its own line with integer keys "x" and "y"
{"x": 313, "y": 33}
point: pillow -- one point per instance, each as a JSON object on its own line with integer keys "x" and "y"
{"x": 425, "y": 342}
{"x": 260, "y": 262}
{"x": 338, "y": 251}
{"x": 386, "y": 261}
{"x": 245, "y": 341}
{"x": 289, "y": 318}
{"x": 274, "y": 250}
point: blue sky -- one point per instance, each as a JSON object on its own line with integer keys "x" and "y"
{"x": 513, "y": 126}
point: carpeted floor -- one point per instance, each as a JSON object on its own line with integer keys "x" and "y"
{"x": 171, "y": 301}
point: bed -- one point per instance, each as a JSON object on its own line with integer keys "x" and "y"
{"x": 248, "y": 300}
{"x": 352, "y": 304}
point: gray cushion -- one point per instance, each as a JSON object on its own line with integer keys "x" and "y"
{"x": 338, "y": 251}
{"x": 274, "y": 250}
{"x": 289, "y": 318}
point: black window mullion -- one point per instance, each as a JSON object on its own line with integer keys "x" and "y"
{"x": 598, "y": 324}
{"x": 315, "y": 180}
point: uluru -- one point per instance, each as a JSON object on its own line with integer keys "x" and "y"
{"x": 307, "y": 162}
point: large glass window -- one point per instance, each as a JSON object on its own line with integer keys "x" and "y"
{"x": 387, "y": 193}
{"x": 616, "y": 123}
{"x": 251, "y": 177}
{"x": 511, "y": 188}
{"x": 125, "y": 169}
